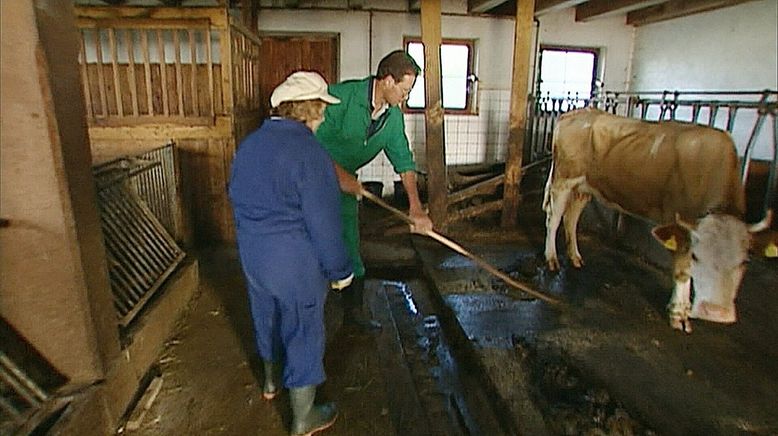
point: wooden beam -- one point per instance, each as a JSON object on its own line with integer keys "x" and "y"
{"x": 607, "y": 8}
{"x": 522, "y": 50}
{"x": 546, "y": 6}
{"x": 414, "y": 5}
{"x": 676, "y": 9}
{"x": 433, "y": 113}
{"x": 481, "y": 6}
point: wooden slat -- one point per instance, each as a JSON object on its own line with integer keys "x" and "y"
{"x": 179, "y": 74}
{"x": 193, "y": 78}
{"x": 140, "y": 23}
{"x": 480, "y": 6}
{"x": 676, "y": 9}
{"x": 217, "y": 16}
{"x": 85, "y": 77}
{"x": 209, "y": 60}
{"x": 606, "y": 8}
{"x": 144, "y": 40}
{"x": 131, "y": 70}
{"x": 163, "y": 72}
{"x": 117, "y": 87}
{"x": 522, "y": 48}
{"x": 481, "y": 188}
{"x": 474, "y": 211}
{"x": 100, "y": 76}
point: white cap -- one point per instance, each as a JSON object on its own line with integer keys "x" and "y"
{"x": 302, "y": 85}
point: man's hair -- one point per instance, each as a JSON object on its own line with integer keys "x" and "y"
{"x": 397, "y": 64}
{"x": 302, "y": 111}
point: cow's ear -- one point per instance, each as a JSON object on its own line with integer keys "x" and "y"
{"x": 671, "y": 236}
{"x": 765, "y": 244}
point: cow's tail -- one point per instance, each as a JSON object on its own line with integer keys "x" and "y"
{"x": 547, "y": 191}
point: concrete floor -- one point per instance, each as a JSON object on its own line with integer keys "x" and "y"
{"x": 609, "y": 364}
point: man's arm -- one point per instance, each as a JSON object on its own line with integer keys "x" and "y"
{"x": 421, "y": 220}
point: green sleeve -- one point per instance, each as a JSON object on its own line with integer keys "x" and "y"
{"x": 397, "y": 148}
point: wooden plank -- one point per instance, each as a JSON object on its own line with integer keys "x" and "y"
{"x": 163, "y": 73}
{"x": 474, "y": 211}
{"x": 117, "y": 87}
{"x": 179, "y": 73}
{"x": 433, "y": 113}
{"x": 522, "y": 49}
{"x": 85, "y": 77}
{"x": 140, "y": 23}
{"x": 209, "y": 62}
{"x": 216, "y": 16}
{"x": 677, "y": 9}
{"x": 607, "y": 8}
{"x": 100, "y": 77}
{"x": 131, "y": 70}
{"x": 152, "y": 119}
{"x": 144, "y": 41}
{"x": 481, "y": 188}
{"x": 193, "y": 76}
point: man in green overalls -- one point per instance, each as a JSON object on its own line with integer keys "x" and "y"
{"x": 367, "y": 121}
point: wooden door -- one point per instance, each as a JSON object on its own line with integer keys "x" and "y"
{"x": 282, "y": 55}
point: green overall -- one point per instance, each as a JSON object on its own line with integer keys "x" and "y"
{"x": 352, "y": 141}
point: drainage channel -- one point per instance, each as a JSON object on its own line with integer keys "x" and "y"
{"x": 430, "y": 389}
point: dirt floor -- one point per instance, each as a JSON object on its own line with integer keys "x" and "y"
{"x": 458, "y": 355}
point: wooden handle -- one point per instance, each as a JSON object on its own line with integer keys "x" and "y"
{"x": 461, "y": 250}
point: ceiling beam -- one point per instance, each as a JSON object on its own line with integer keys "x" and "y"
{"x": 481, "y": 6}
{"x": 546, "y": 6}
{"x": 607, "y": 8}
{"x": 676, "y": 9}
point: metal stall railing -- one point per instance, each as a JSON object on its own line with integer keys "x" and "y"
{"x": 741, "y": 113}
{"x": 29, "y": 386}
{"x": 141, "y": 252}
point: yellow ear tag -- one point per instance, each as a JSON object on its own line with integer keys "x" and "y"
{"x": 670, "y": 243}
{"x": 771, "y": 250}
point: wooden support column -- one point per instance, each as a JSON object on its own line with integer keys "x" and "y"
{"x": 522, "y": 48}
{"x": 433, "y": 113}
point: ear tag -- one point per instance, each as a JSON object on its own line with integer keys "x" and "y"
{"x": 771, "y": 250}
{"x": 670, "y": 243}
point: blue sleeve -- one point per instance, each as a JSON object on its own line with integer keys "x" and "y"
{"x": 320, "y": 199}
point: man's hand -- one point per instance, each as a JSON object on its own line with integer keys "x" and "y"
{"x": 421, "y": 221}
{"x": 348, "y": 183}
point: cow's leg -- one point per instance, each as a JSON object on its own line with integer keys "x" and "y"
{"x": 556, "y": 198}
{"x": 578, "y": 201}
{"x": 679, "y": 307}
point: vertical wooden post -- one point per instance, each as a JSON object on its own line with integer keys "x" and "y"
{"x": 522, "y": 47}
{"x": 433, "y": 114}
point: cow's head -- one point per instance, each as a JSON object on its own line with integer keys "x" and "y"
{"x": 715, "y": 248}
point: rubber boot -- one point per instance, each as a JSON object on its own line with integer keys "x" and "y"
{"x": 308, "y": 418}
{"x": 354, "y": 313}
{"x": 272, "y": 373}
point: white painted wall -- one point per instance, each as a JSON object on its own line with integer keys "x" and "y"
{"x": 469, "y": 139}
{"x": 734, "y": 48}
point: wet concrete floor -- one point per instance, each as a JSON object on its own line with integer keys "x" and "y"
{"x": 459, "y": 356}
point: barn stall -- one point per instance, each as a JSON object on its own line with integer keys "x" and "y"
{"x": 471, "y": 359}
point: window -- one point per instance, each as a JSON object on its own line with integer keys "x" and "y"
{"x": 567, "y": 72}
{"x": 457, "y": 81}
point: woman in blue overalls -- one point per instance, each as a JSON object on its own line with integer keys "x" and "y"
{"x": 286, "y": 203}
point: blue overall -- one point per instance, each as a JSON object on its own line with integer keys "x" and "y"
{"x": 286, "y": 202}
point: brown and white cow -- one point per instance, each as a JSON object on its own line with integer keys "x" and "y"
{"x": 683, "y": 177}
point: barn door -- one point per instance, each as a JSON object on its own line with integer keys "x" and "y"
{"x": 282, "y": 55}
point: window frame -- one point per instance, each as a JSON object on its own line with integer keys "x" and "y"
{"x": 567, "y": 48}
{"x": 471, "y": 108}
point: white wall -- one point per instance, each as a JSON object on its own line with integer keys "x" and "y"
{"x": 734, "y": 48}
{"x": 469, "y": 139}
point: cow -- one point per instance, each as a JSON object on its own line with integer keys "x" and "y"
{"x": 682, "y": 177}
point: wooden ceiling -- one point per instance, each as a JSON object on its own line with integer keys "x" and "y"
{"x": 638, "y": 12}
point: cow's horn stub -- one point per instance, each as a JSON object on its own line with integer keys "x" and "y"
{"x": 762, "y": 225}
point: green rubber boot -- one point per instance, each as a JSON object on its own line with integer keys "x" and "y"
{"x": 308, "y": 418}
{"x": 272, "y": 376}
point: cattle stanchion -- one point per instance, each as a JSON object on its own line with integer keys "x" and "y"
{"x": 461, "y": 250}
